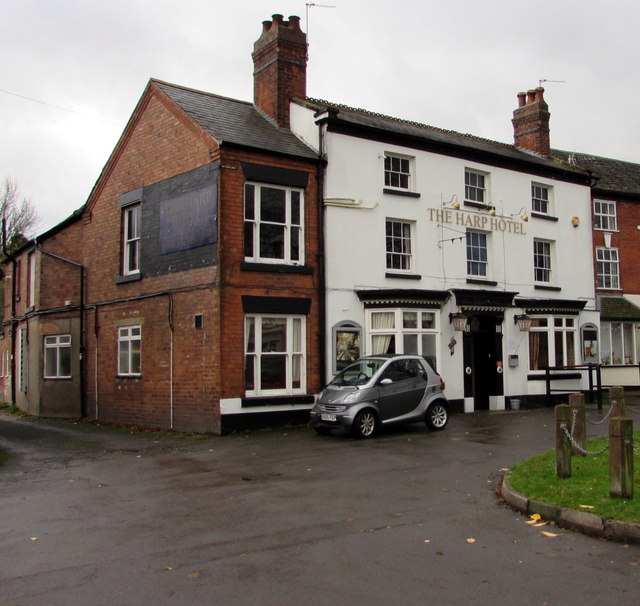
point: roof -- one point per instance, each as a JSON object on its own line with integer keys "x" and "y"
{"x": 440, "y": 139}
{"x": 618, "y": 308}
{"x": 614, "y": 176}
{"x": 235, "y": 123}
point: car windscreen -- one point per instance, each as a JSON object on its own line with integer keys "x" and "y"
{"x": 358, "y": 373}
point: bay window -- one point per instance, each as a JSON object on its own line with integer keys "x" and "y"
{"x": 552, "y": 342}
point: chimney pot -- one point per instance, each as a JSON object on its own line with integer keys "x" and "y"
{"x": 294, "y": 21}
{"x": 277, "y": 18}
{"x": 522, "y": 99}
{"x": 531, "y": 96}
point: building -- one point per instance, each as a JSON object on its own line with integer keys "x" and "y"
{"x": 232, "y": 256}
{"x": 437, "y": 243}
{"x": 616, "y": 241}
{"x": 185, "y": 293}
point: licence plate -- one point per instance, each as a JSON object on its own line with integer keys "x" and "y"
{"x": 326, "y": 417}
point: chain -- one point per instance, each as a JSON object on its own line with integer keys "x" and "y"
{"x": 580, "y": 449}
{"x": 602, "y": 420}
{"x": 636, "y": 410}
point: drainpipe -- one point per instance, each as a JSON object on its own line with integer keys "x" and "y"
{"x": 322, "y": 258}
{"x": 171, "y": 334}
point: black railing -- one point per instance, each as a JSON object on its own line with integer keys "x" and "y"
{"x": 558, "y": 373}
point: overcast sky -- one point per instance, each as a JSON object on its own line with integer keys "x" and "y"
{"x": 72, "y": 71}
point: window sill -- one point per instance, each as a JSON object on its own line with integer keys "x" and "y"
{"x": 554, "y": 376}
{"x": 401, "y": 192}
{"x": 547, "y": 287}
{"x": 128, "y": 278}
{"x": 128, "y": 377}
{"x": 276, "y": 268}
{"x": 390, "y": 274}
{"x": 543, "y": 216}
{"x": 480, "y": 281}
{"x": 252, "y": 402}
{"x": 479, "y": 205}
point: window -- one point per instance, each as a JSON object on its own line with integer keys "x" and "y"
{"x": 57, "y": 357}
{"x": 619, "y": 343}
{"x": 607, "y": 268}
{"x": 398, "y": 245}
{"x": 540, "y": 198}
{"x": 31, "y": 294}
{"x": 275, "y": 359}
{"x": 605, "y": 215}
{"x": 397, "y": 172}
{"x": 477, "y": 258}
{"x": 403, "y": 331}
{"x": 475, "y": 186}
{"x": 542, "y": 261}
{"x": 552, "y": 342}
{"x": 131, "y": 239}
{"x": 129, "y": 351}
{"x": 273, "y": 224}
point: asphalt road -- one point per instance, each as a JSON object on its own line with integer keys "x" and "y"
{"x": 92, "y": 515}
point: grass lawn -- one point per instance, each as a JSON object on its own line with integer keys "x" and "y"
{"x": 586, "y": 490}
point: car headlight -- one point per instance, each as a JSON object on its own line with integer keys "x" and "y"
{"x": 351, "y": 397}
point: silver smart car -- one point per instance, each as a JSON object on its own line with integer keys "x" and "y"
{"x": 381, "y": 390}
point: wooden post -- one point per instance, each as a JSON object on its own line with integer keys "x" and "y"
{"x": 563, "y": 445}
{"x": 621, "y": 458}
{"x": 576, "y": 403}
{"x": 616, "y": 399}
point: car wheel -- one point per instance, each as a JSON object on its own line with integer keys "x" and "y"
{"x": 436, "y": 416}
{"x": 323, "y": 431}
{"x": 365, "y": 424}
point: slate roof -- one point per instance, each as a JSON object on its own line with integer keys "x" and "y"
{"x": 618, "y": 308}
{"x": 614, "y": 176}
{"x": 433, "y": 135}
{"x": 236, "y": 123}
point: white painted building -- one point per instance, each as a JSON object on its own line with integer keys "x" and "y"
{"x": 424, "y": 228}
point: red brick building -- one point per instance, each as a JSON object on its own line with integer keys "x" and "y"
{"x": 616, "y": 242}
{"x": 184, "y": 293}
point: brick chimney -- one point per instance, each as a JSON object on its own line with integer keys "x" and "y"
{"x": 531, "y": 122}
{"x": 279, "y": 67}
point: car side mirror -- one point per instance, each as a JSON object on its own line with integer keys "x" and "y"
{"x": 386, "y": 382}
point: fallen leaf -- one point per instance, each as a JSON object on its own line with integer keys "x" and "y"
{"x": 168, "y": 567}
{"x": 194, "y": 575}
{"x": 587, "y": 506}
{"x": 546, "y": 533}
{"x": 536, "y": 525}
{"x": 535, "y": 516}
{"x": 427, "y": 540}
{"x": 439, "y": 553}
{"x": 34, "y": 538}
{"x": 470, "y": 540}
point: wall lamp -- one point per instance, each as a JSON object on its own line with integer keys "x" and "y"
{"x": 523, "y": 321}
{"x": 459, "y": 321}
{"x": 523, "y": 214}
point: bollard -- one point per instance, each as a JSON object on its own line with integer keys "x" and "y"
{"x": 578, "y": 419}
{"x": 621, "y": 458}
{"x": 563, "y": 445}
{"x": 616, "y": 399}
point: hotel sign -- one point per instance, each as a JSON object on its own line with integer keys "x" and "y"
{"x": 476, "y": 220}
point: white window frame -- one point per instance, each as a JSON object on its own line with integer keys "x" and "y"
{"x": 476, "y": 186}
{"x": 478, "y": 260}
{"x": 541, "y": 195}
{"x": 60, "y": 347}
{"x": 398, "y": 171}
{"x": 130, "y": 351}
{"x": 131, "y": 223}
{"x": 619, "y": 344}
{"x": 543, "y": 272}
{"x": 390, "y": 330}
{"x": 607, "y": 269}
{"x": 561, "y": 336}
{"x": 399, "y": 246}
{"x": 292, "y": 226}
{"x": 293, "y": 350}
{"x": 605, "y": 215}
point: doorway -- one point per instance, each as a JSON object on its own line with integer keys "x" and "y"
{"x": 482, "y": 355}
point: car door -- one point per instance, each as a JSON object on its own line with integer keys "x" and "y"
{"x": 402, "y": 388}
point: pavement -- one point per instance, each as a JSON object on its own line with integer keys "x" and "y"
{"x": 98, "y": 515}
